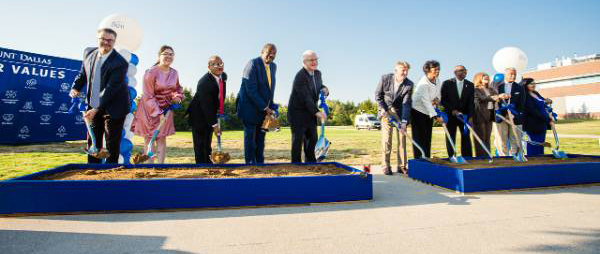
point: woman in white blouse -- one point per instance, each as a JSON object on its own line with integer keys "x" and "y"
{"x": 426, "y": 95}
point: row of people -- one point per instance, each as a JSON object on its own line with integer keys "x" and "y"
{"x": 463, "y": 102}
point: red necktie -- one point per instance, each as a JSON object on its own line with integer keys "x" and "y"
{"x": 221, "y": 98}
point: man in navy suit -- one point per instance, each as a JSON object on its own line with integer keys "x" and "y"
{"x": 458, "y": 98}
{"x": 516, "y": 98}
{"x": 255, "y": 101}
{"x": 103, "y": 72}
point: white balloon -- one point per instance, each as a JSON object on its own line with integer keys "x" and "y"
{"x": 132, "y": 82}
{"x": 129, "y": 31}
{"x": 127, "y": 123}
{"x": 131, "y": 71}
{"x": 510, "y": 57}
{"x": 129, "y": 135}
{"x": 125, "y": 54}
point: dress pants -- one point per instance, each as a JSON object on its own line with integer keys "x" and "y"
{"x": 105, "y": 127}
{"x": 306, "y": 136}
{"x": 465, "y": 139}
{"x": 483, "y": 129}
{"x": 202, "y": 136}
{"x": 502, "y": 133}
{"x": 387, "y": 133}
{"x": 535, "y": 149}
{"x": 254, "y": 143}
{"x": 421, "y": 128}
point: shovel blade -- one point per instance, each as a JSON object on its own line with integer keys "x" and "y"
{"x": 559, "y": 154}
{"x": 461, "y": 160}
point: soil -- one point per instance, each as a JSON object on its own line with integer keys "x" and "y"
{"x": 216, "y": 172}
{"x": 220, "y": 157}
{"x": 509, "y": 162}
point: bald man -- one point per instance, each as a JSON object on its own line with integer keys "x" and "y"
{"x": 207, "y": 104}
{"x": 458, "y": 98}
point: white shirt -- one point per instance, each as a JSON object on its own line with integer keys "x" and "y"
{"x": 397, "y": 85}
{"x": 507, "y": 89}
{"x": 459, "y": 87}
{"x": 423, "y": 96}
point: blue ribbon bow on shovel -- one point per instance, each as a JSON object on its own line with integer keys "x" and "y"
{"x": 322, "y": 146}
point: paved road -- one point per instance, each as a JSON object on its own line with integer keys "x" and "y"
{"x": 405, "y": 217}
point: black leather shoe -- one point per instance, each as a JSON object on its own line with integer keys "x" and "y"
{"x": 402, "y": 170}
{"x": 388, "y": 171}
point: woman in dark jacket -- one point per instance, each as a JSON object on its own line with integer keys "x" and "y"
{"x": 485, "y": 105}
{"x": 536, "y": 118}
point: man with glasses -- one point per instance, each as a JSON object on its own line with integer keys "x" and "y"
{"x": 458, "y": 100}
{"x": 303, "y": 109}
{"x": 394, "y": 98}
{"x": 103, "y": 73}
{"x": 208, "y": 102}
{"x": 255, "y": 101}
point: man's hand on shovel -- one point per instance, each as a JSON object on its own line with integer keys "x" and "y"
{"x": 90, "y": 114}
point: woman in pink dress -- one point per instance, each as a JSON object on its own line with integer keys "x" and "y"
{"x": 161, "y": 89}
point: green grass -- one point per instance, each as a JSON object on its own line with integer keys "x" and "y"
{"x": 349, "y": 146}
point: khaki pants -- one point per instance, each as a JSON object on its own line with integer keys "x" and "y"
{"x": 501, "y": 133}
{"x": 387, "y": 131}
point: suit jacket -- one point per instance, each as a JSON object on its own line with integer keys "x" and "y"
{"x": 255, "y": 95}
{"x": 536, "y": 118}
{"x": 517, "y": 94}
{"x": 204, "y": 107}
{"x": 114, "y": 92}
{"x": 482, "y": 113}
{"x": 450, "y": 100}
{"x": 400, "y": 101}
{"x": 303, "y": 103}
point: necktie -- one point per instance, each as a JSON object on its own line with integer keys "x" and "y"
{"x": 221, "y": 97}
{"x": 95, "y": 91}
{"x": 268, "y": 68}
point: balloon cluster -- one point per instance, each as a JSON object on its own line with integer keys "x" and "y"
{"x": 129, "y": 38}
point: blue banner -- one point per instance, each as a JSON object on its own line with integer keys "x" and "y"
{"x": 34, "y": 98}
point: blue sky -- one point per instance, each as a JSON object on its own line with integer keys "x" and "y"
{"x": 357, "y": 42}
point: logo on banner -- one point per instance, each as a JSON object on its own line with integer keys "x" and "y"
{"x": 27, "y": 107}
{"x": 61, "y": 132}
{"x": 31, "y": 84}
{"x": 47, "y": 99}
{"x": 45, "y": 119}
{"x": 7, "y": 119}
{"x": 10, "y": 97}
{"x": 65, "y": 87}
{"x": 24, "y": 132}
{"x": 78, "y": 119}
{"x": 63, "y": 109}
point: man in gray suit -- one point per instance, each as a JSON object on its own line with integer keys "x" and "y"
{"x": 394, "y": 97}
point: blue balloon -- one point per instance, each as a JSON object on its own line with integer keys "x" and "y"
{"x": 126, "y": 146}
{"x": 499, "y": 77}
{"x": 134, "y": 59}
{"x": 132, "y": 93}
{"x": 133, "y": 107}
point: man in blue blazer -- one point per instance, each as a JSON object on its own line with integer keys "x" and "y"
{"x": 103, "y": 73}
{"x": 516, "y": 97}
{"x": 255, "y": 101}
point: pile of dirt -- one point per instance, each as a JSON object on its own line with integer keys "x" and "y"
{"x": 509, "y": 162}
{"x": 216, "y": 172}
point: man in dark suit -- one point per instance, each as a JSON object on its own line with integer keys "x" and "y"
{"x": 103, "y": 72}
{"x": 303, "y": 109}
{"x": 207, "y": 103}
{"x": 516, "y": 98}
{"x": 394, "y": 97}
{"x": 255, "y": 101}
{"x": 458, "y": 98}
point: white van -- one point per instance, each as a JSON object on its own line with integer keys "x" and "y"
{"x": 367, "y": 121}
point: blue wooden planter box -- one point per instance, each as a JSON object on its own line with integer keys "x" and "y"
{"x": 505, "y": 178}
{"x": 26, "y": 195}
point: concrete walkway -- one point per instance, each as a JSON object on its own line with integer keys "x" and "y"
{"x": 405, "y": 217}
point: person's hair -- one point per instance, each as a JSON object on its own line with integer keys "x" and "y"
{"x": 527, "y": 81}
{"x": 212, "y": 58}
{"x": 268, "y": 46}
{"x": 308, "y": 53}
{"x": 478, "y": 78}
{"x": 403, "y": 63}
{"x": 430, "y": 64}
{"x": 108, "y": 31}
{"x": 510, "y": 69}
{"x": 160, "y": 51}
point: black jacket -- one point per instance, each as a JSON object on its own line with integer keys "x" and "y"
{"x": 204, "y": 107}
{"x": 401, "y": 101}
{"x": 536, "y": 119}
{"x": 517, "y": 98}
{"x": 303, "y": 103}
{"x": 114, "y": 91}
{"x": 450, "y": 100}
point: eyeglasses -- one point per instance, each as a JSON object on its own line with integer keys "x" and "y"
{"x": 312, "y": 60}
{"x": 216, "y": 65}
{"x": 106, "y": 40}
{"x": 167, "y": 54}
